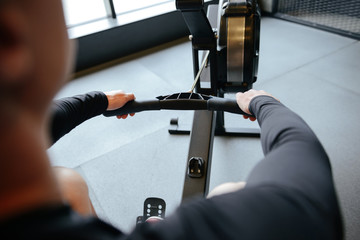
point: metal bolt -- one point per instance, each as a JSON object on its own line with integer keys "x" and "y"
{"x": 225, "y": 5}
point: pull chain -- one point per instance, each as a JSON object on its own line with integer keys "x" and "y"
{"x": 203, "y": 64}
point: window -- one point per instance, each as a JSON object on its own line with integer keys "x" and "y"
{"x": 125, "y": 6}
{"x": 83, "y": 11}
{"x": 79, "y": 12}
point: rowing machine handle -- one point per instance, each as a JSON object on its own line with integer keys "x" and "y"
{"x": 224, "y": 104}
{"x": 211, "y": 104}
{"x": 134, "y": 107}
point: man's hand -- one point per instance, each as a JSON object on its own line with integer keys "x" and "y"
{"x": 118, "y": 99}
{"x": 243, "y": 100}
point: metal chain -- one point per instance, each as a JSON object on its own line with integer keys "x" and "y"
{"x": 203, "y": 64}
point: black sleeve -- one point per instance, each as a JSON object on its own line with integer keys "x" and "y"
{"x": 289, "y": 195}
{"x": 67, "y": 113}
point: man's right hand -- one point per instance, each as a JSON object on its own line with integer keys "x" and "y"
{"x": 244, "y": 99}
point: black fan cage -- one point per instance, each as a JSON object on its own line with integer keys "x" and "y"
{"x": 340, "y": 16}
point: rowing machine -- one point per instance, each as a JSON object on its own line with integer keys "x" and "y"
{"x": 229, "y": 38}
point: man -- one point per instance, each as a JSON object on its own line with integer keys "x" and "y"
{"x": 288, "y": 195}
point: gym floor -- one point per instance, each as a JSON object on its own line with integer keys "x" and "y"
{"x": 315, "y": 73}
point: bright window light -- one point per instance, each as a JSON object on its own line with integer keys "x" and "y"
{"x": 124, "y": 6}
{"x": 81, "y": 11}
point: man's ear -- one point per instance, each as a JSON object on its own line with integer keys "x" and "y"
{"x": 15, "y": 51}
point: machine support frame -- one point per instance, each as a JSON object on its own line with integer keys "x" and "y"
{"x": 205, "y": 123}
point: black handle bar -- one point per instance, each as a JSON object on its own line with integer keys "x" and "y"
{"x": 180, "y": 101}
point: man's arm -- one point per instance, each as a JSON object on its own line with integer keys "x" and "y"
{"x": 67, "y": 113}
{"x": 289, "y": 195}
{"x": 298, "y": 170}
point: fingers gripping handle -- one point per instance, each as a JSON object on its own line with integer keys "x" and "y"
{"x": 226, "y": 105}
{"x": 134, "y": 107}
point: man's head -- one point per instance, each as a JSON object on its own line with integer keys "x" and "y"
{"x": 34, "y": 60}
{"x": 35, "y": 53}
